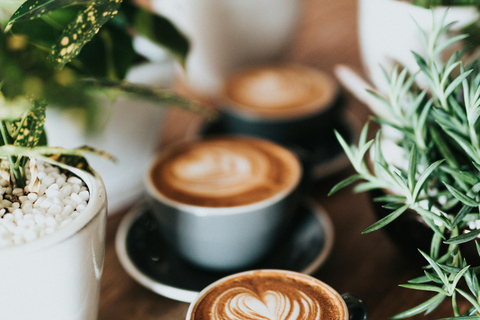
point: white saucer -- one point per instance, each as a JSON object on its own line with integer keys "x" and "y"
{"x": 147, "y": 259}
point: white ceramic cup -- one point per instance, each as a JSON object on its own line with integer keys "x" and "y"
{"x": 215, "y": 235}
{"x": 388, "y": 33}
{"x": 225, "y": 35}
{"x": 266, "y": 294}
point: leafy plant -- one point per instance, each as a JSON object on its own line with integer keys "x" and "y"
{"x": 437, "y": 132}
{"x": 430, "y": 3}
{"x": 41, "y": 64}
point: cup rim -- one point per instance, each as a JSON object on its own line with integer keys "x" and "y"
{"x": 206, "y": 210}
{"x": 327, "y": 101}
{"x": 295, "y": 273}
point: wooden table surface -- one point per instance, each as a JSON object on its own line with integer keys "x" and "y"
{"x": 367, "y": 265}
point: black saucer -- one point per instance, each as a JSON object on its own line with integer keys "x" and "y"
{"x": 144, "y": 255}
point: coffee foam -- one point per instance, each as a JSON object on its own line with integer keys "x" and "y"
{"x": 225, "y": 172}
{"x": 280, "y": 91}
{"x": 269, "y": 295}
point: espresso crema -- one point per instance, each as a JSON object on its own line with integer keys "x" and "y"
{"x": 225, "y": 172}
{"x": 280, "y": 91}
{"x": 262, "y": 295}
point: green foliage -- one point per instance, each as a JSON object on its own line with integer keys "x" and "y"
{"x": 48, "y": 48}
{"x": 433, "y": 3}
{"x": 437, "y": 132}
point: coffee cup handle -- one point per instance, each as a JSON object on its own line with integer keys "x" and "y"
{"x": 357, "y": 309}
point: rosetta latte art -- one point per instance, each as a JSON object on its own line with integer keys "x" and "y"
{"x": 219, "y": 170}
{"x": 242, "y": 303}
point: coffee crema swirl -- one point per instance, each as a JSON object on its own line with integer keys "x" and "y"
{"x": 224, "y": 172}
{"x": 280, "y": 91}
{"x": 269, "y": 296}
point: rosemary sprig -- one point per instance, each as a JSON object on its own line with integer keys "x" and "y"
{"x": 438, "y": 129}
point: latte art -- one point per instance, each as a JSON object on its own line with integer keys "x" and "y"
{"x": 280, "y": 91}
{"x": 224, "y": 172}
{"x": 269, "y": 295}
{"x": 219, "y": 170}
{"x": 240, "y": 303}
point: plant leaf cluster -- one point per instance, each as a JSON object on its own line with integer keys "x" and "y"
{"x": 64, "y": 53}
{"x": 437, "y": 135}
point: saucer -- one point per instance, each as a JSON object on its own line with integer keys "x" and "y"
{"x": 148, "y": 260}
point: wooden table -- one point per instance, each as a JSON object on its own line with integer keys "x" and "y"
{"x": 367, "y": 265}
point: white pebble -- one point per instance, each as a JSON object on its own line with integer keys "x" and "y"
{"x": 54, "y": 209}
{"x": 17, "y": 214}
{"x": 74, "y": 180}
{"x": 17, "y": 192}
{"x": 5, "y": 203}
{"x": 50, "y": 221}
{"x": 48, "y": 180}
{"x": 47, "y": 203}
{"x": 53, "y": 193}
{"x": 32, "y": 196}
{"x": 36, "y": 214}
{"x": 40, "y": 219}
{"x": 67, "y": 210}
{"x": 75, "y": 197}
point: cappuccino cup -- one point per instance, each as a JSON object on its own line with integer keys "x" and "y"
{"x": 222, "y": 202}
{"x": 273, "y": 294}
{"x": 285, "y": 103}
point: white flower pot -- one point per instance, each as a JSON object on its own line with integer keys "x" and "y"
{"x": 388, "y": 33}
{"x": 58, "y": 276}
{"x": 131, "y": 134}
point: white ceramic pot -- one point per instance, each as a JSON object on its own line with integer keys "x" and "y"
{"x": 132, "y": 134}
{"x": 229, "y": 34}
{"x": 57, "y": 277}
{"x": 388, "y": 33}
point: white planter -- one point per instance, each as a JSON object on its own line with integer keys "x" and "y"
{"x": 131, "y": 134}
{"x": 235, "y": 34}
{"x": 388, "y": 33}
{"x": 58, "y": 276}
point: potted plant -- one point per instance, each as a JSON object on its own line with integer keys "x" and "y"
{"x": 425, "y": 161}
{"x": 388, "y": 31}
{"x": 52, "y": 203}
{"x": 128, "y": 126}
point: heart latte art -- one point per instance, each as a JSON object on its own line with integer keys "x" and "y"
{"x": 239, "y": 303}
{"x": 269, "y": 296}
{"x": 225, "y": 172}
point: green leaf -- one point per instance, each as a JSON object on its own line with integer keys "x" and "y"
{"x": 386, "y": 220}
{"x": 423, "y": 178}
{"x": 344, "y": 183}
{"x": 159, "y": 30}
{"x": 434, "y": 301}
{"x": 31, "y": 129}
{"x": 424, "y": 287}
{"x": 463, "y": 237}
{"x": 161, "y": 95}
{"x": 82, "y": 30}
{"x": 461, "y": 197}
{"x": 436, "y": 268}
{"x": 33, "y": 9}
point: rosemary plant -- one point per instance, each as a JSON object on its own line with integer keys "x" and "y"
{"x": 42, "y": 64}
{"x": 438, "y": 133}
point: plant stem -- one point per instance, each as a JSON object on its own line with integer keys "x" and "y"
{"x": 16, "y": 172}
